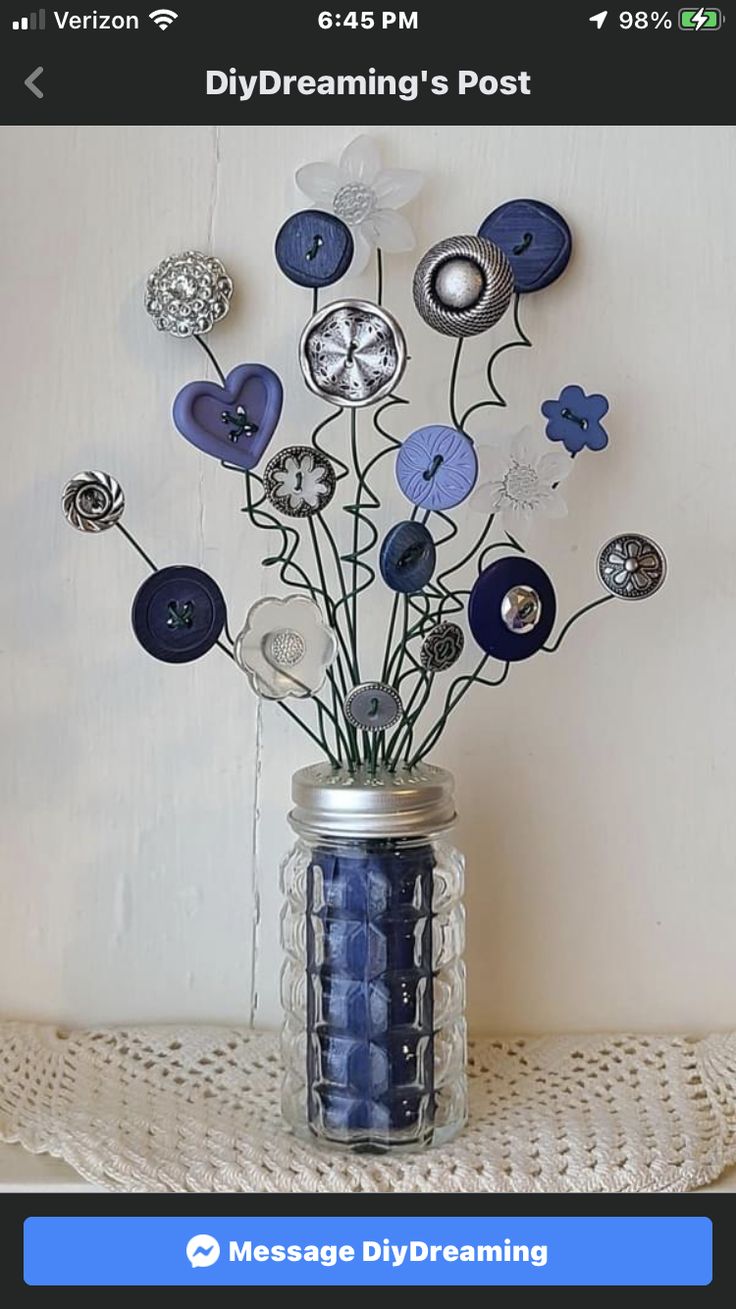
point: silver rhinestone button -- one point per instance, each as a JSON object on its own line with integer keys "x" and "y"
{"x": 521, "y": 609}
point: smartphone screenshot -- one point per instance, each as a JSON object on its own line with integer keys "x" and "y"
{"x": 367, "y": 908}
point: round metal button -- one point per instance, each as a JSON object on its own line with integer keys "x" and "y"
{"x": 408, "y": 557}
{"x": 314, "y": 248}
{"x": 512, "y": 608}
{"x": 352, "y": 353}
{"x": 178, "y": 614}
{"x": 188, "y": 293}
{"x": 437, "y": 467}
{"x": 299, "y": 481}
{"x": 632, "y": 566}
{"x": 92, "y": 502}
{"x": 463, "y": 285}
{"x": 535, "y": 239}
{"x": 442, "y": 647}
{"x": 373, "y": 707}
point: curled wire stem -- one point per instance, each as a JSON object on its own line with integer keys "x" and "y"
{"x": 452, "y": 700}
{"x": 550, "y": 649}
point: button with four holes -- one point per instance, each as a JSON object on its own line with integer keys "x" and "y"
{"x": 314, "y": 248}
{"x": 178, "y": 614}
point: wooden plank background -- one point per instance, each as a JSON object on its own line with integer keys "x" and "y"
{"x": 143, "y": 806}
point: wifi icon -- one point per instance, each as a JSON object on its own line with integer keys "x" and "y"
{"x": 163, "y": 18}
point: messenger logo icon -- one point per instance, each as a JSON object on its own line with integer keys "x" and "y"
{"x": 203, "y": 1251}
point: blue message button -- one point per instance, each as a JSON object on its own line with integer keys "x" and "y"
{"x": 358, "y": 1251}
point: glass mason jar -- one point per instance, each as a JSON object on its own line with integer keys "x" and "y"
{"x": 373, "y": 984}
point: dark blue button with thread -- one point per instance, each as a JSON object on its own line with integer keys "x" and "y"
{"x": 314, "y": 248}
{"x": 535, "y": 239}
{"x": 408, "y": 557}
{"x": 178, "y": 614}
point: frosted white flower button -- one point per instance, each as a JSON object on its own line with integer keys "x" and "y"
{"x": 366, "y": 197}
{"x": 285, "y": 647}
{"x": 521, "y": 478}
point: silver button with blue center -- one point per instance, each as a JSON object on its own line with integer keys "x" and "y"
{"x": 373, "y": 707}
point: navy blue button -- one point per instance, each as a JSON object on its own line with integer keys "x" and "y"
{"x": 535, "y": 239}
{"x": 492, "y": 621}
{"x": 178, "y": 614}
{"x": 408, "y": 557}
{"x": 314, "y": 248}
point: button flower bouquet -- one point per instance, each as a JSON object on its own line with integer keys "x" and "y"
{"x": 373, "y": 982}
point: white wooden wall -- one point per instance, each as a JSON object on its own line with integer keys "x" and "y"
{"x": 143, "y": 806}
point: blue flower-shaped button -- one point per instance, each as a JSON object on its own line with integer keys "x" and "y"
{"x": 437, "y": 467}
{"x": 313, "y": 248}
{"x": 575, "y": 419}
{"x": 408, "y": 557}
{"x": 535, "y": 239}
{"x": 178, "y": 614}
{"x": 512, "y": 608}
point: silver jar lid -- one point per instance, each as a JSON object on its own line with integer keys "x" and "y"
{"x": 333, "y": 802}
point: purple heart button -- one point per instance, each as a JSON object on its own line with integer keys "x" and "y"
{"x": 234, "y": 422}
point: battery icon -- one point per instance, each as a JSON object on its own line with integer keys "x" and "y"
{"x": 699, "y": 20}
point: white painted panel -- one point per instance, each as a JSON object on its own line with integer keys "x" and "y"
{"x": 141, "y": 823}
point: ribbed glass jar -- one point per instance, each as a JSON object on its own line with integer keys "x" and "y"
{"x": 373, "y": 983}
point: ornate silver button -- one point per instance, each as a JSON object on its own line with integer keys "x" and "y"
{"x": 463, "y": 285}
{"x": 92, "y": 502}
{"x": 352, "y": 353}
{"x": 373, "y": 707}
{"x": 632, "y": 566}
{"x": 188, "y": 293}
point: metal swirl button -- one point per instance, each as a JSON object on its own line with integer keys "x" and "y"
{"x": 299, "y": 481}
{"x": 463, "y": 285}
{"x": 512, "y": 608}
{"x": 188, "y": 293}
{"x": 408, "y": 557}
{"x": 352, "y": 353}
{"x": 178, "y": 614}
{"x": 442, "y": 647}
{"x": 314, "y": 248}
{"x": 632, "y": 566}
{"x": 437, "y": 467}
{"x": 92, "y": 502}
{"x": 373, "y": 707}
{"x": 535, "y": 239}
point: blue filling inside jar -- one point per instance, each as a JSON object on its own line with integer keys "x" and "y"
{"x": 370, "y": 1020}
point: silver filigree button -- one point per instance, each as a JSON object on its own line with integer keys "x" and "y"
{"x": 92, "y": 502}
{"x": 521, "y": 609}
{"x": 188, "y": 293}
{"x": 352, "y": 353}
{"x": 632, "y": 566}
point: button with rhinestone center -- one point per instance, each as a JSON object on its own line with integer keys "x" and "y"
{"x": 512, "y": 608}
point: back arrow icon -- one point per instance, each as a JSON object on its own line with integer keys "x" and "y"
{"x": 30, "y": 82}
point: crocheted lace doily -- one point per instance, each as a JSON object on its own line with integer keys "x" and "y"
{"x": 196, "y": 1109}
